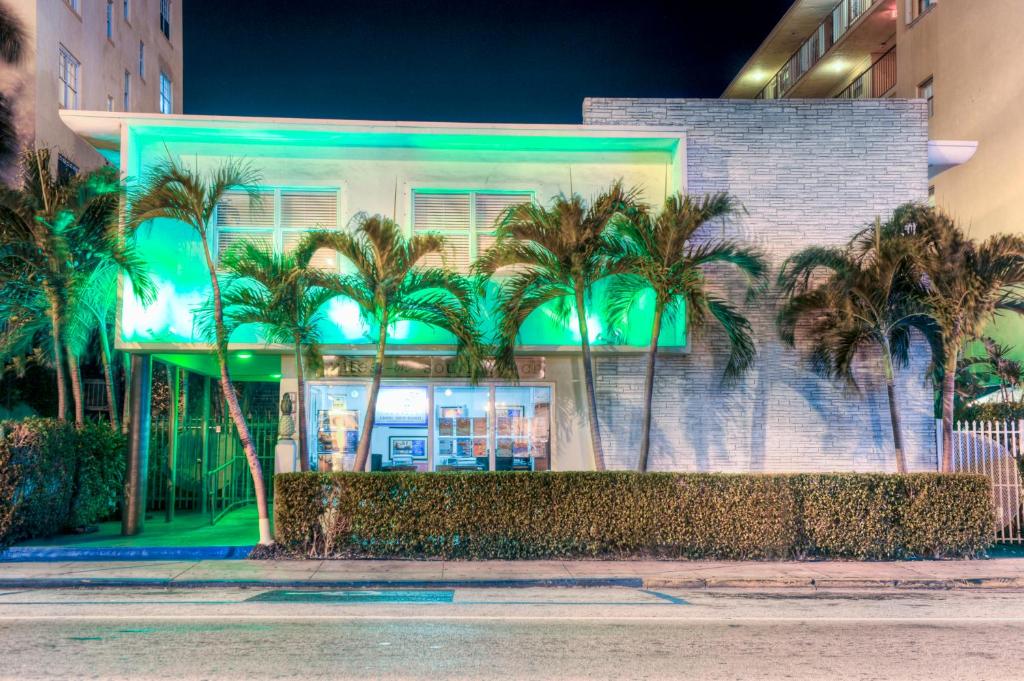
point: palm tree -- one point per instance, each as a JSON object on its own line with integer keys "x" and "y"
{"x": 658, "y": 254}
{"x": 12, "y": 45}
{"x": 967, "y": 284}
{"x": 95, "y": 300}
{"x": 388, "y": 285}
{"x": 171, "y": 190}
{"x": 284, "y": 295}
{"x": 854, "y": 298}
{"x": 52, "y": 234}
{"x": 556, "y": 254}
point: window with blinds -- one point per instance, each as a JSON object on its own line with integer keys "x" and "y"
{"x": 466, "y": 219}
{"x": 278, "y": 219}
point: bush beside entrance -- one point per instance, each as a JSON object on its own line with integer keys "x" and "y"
{"x": 626, "y": 515}
{"x": 54, "y": 476}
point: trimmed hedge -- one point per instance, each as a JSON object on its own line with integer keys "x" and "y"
{"x": 624, "y": 514}
{"x": 54, "y": 476}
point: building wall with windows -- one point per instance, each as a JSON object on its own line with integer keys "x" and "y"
{"x": 806, "y": 172}
{"x": 972, "y": 54}
{"x": 78, "y": 55}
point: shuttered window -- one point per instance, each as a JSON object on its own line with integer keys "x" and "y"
{"x": 466, "y": 219}
{"x": 279, "y": 219}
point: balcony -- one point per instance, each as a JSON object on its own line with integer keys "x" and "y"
{"x": 876, "y": 81}
{"x": 833, "y": 29}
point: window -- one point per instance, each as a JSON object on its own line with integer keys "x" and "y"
{"x": 110, "y": 19}
{"x": 278, "y": 220}
{"x": 917, "y": 8}
{"x": 66, "y": 170}
{"x": 465, "y": 218}
{"x": 165, "y": 18}
{"x": 440, "y": 426}
{"x": 126, "y": 9}
{"x": 67, "y": 74}
{"x": 925, "y": 91}
{"x": 110, "y": 103}
{"x": 165, "y": 94}
{"x": 142, "y": 60}
{"x": 127, "y": 90}
{"x": 73, "y": 4}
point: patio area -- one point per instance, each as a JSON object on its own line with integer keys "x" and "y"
{"x": 188, "y": 529}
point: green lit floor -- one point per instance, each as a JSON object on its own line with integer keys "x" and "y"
{"x": 238, "y": 528}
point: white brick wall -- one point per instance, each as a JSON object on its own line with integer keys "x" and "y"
{"x": 808, "y": 172}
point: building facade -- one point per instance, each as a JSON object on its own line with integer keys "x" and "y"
{"x": 963, "y": 57}
{"x": 92, "y": 55}
{"x": 798, "y": 168}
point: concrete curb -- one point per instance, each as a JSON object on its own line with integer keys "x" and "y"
{"x": 145, "y": 582}
{"x": 823, "y": 584}
{"x": 836, "y": 583}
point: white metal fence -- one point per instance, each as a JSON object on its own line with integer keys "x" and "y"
{"x": 994, "y": 449}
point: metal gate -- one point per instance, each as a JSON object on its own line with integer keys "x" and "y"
{"x": 995, "y": 449}
{"x": 211, "y": 472}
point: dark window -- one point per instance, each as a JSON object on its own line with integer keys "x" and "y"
{"x": 66, "y": 170}
{"x": 927, "y": 92}
{"x": 165, "y": 18}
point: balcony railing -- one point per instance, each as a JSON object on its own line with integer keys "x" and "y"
{"x": 828, "y": 33}
{"x": 875, "y": 81}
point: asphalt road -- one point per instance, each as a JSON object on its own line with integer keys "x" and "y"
{"x": 611, "y": 633}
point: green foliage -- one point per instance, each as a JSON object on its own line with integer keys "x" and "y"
{"x": 992, "y": 411}
{"x": 99, "y": 476}
{"x": 54, "y": 476}
{"x": 672, "y": 515}
{"x": 659, "y": 254}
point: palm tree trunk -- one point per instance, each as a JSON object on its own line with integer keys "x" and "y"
{"x": 652, "y": 355}
{"x": 108, "y": 375}
{"x": 234, "y": 410}
{"x": 76, "y": 387}
{"x": 300, "y": 405}
{"x": 588, "y": 378}
{"x": 894, "y": 412}
{"x": 363, "y": 450}
{"x": 948, "y": 390}
{"x": 57, "y": 333}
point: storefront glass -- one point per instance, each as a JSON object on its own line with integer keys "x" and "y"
{"x": 462, "y": 427}
{"x": 522, "y": 417}
{"x": 437, "y": 427}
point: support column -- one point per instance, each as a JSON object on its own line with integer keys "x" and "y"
{"x": 204, "y": 463}
{"x": 137, "y": 473}
{"x": 172, "y": 440}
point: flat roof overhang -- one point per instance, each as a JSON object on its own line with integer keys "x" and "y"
{"x": 103, "y": 130}
{"x": 946, "y": 154}
{"x": 873, "y": 32}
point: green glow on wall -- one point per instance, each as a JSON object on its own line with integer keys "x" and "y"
{"x": 174, "y": 252}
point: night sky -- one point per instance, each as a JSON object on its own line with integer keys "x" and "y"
{"x": 528, "y": 61}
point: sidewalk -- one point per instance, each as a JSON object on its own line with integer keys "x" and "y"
{"x": 1005, "y": 573}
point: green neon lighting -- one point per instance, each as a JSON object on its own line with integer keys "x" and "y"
{"x": 174, "y": 254}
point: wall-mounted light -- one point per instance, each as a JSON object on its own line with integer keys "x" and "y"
{"x": 244, "y": 355}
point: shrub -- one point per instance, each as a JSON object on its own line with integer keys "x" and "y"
{"x": 991, "y": 411}
{"x": 624, "y": 514}
{"x": 55, "y": 476}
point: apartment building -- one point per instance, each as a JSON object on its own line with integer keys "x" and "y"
{"x": 789, "y": 164}
{"x": 98, "y": 55}
{"x": 965, "y": 57}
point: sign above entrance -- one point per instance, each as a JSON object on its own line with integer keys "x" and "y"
{"x": 339, "y": 366}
